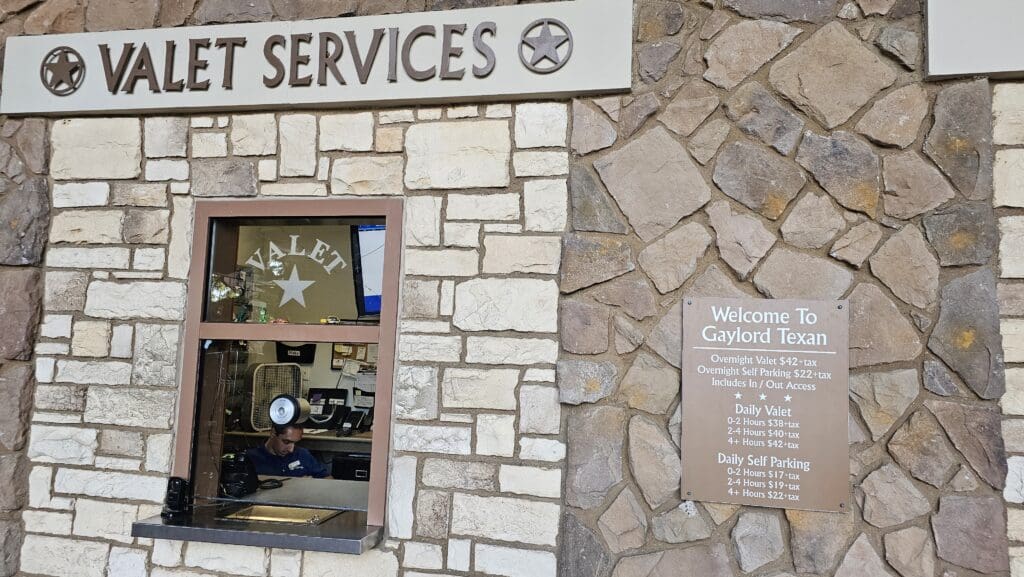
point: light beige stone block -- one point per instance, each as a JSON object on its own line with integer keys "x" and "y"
{"x": 110, "y": 485}
{"x": 62, "y": 557}
{"x": 495, "y": 435}
{"x": 151, "y": 409}
{"x": 448, "y": 262}
{"x": 209, "y": 145}
{"x": 423, "y": 221}
{"x": 166, "y": 136}
{"x": 1011, "y": 257}
{"x": 479, "y": 388}
{"x": 449, "y": 440}
{"x": 1008, "y": 113}
{"x": 1008, "y": 178}
{"x": 505, "y": 519}
{"x": 91, "y": 339}
{"x": 462, "y": 234}
{"x": 87, "y": 227}
{"x": 546, "y": 205}
{"x": 40, "y": 496}
{"x": 510, "y": 351}
{"x": 390, "y": 139}
{"x": 162, "y": 170}
{"x": 75, "y": 194}
{"x": 502, "y": 304}
{"x": 541, "y": 124}
{"x": 367, "y": 176}
{"x": 457, "y": 155}
{"x": 540, "y": 163}
{"x": 352, "y": 132}
{"x": 534, "y": 449}
{"x": 526, "y": 254}
{"x": 66, "y": 445}
{"x": 254, "y": 135}
{"x": 539, "y": 410}
{"x": 234, "y": 559}
{"x": 430, "y": 348}
{"x": 88, "y": 258}
{"x": 298, "y": 149}
{"x": 418, "y": 555}
{"x": 47, "y": 522}
{"x": 294, "y": 189}
{"x": 141, "y": 300}
{"x": 504, "y": 206}
{"x": 93, "y": 372}
{"x": 139, "y": 194}
{"x": 373, "y": 563}
{"x": 514, "y": 562}
{"x": 179, "y": 249}
{"x": 533, "y": 481}
{"x": 89, "y": 148}
{"x": 55, "y": 327}
{"x": 1013, "y": 340}
{"x": 1013, "y": 400}
{"x": 285, "y": 563}
{"x": 105, "y": 520}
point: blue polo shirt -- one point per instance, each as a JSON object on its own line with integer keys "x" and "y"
{"x": 300, "y": 463}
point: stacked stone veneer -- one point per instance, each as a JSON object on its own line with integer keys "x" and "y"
{"x": 1008, "y": 105}
{"x": 476, "y": 471}
{"x": 789, "y": 150}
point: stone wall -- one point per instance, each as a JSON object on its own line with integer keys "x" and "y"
{"x": 768, "y": 149}
{"x": 476, "y": 471}
{"x": 1008, "y": 104}
{"x": 790, "y": 150}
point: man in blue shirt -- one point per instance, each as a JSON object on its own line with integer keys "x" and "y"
{"x": 281, "y": 457}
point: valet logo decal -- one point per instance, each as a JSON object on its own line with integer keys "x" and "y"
{"x": 62, "y": 71}
{"x": 299, "y": 252}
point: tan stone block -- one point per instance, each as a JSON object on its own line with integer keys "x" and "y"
{"x": 91, "y": 339}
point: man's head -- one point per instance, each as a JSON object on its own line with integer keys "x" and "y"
{"x": 283, "y": 439}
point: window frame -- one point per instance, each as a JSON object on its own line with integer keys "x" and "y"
{"x": 384, "y": 334}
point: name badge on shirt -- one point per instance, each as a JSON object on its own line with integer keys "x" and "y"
{"x": 294, "y": 465}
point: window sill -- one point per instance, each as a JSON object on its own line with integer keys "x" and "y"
{"x": 345, "y": 533}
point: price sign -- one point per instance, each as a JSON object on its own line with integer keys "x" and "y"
{"x": 765, "y": 388}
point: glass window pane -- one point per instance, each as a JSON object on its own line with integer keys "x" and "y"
{"x": 240, "y": 458}
{"x": 295, "y": 270}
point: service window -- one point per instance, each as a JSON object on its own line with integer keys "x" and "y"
{"x": 291, "y": 298}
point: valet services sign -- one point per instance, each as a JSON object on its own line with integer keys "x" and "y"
{"x": 548, "y": 50}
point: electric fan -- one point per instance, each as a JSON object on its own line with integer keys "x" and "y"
{"x": 268, "y": 381}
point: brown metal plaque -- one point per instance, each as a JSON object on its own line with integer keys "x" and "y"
{"x": 765, "y": 387}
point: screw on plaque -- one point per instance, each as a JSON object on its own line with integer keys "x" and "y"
{"x": 689, "y": 302}
{"x": 840, "y": 307}
{"x": 842, "y": 505}
{"x": 689, "y": 493}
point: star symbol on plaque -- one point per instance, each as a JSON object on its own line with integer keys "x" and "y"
{"x": 739, "y": 395}
{"x": 293, "y": 288}
{"x": 546, "y": 54}
{"x": 763, "y": 397}
{"x": 62, "y": 71}
{"x": 788, "y": 398}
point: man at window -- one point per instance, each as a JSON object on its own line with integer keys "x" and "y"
{"x": 280, "y": 456}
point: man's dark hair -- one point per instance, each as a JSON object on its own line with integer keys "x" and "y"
{"x": 280, "y": 429}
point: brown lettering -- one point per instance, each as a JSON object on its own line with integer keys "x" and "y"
{"x": 142, "y": 69}
{"x": 363, "y": 67}
{"x": 272, "y": 59}
{"x": 448, "y": 52}
{"x": 392, "y": 54}
{"x": 419, "y": 75}
{"x": 229, "y": 45}
{"x": 298, "y": 60}
{"x": 195, "y": 63}
{"x": 114, "y": 74}
{"x": 170, "y": 84}
{"x": 331, "y": 48}
{"x": 486, "y": 51}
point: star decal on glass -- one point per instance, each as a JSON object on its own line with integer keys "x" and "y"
{"x": 62, "y": 71}
{"x": 293, "y": 288}
{"x": 545, "y": 47}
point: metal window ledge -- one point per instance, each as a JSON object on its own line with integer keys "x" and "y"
{"x": 345, "y": 533}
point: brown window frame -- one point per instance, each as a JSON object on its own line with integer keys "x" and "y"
{"x": 384, "y": 334}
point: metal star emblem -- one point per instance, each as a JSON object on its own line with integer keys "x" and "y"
{"x": 293, "y": 288}
{"x": 62, "y": 71}
{"x": 545, "y": 45}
